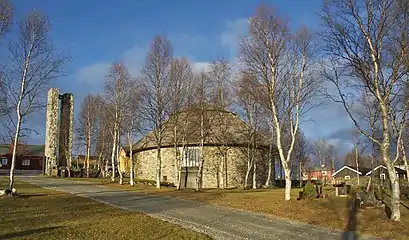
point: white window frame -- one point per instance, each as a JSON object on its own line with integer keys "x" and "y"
{"x": 382, "y": 176}
{"x": 347, "y": 177}
{"x": 190, "y": 156}
{"x": 25, "y": 162}
{"x": 4, "y": 161}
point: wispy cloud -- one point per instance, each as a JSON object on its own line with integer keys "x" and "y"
{"x": 93, "y": 74}
{"x": 231, "y": 34}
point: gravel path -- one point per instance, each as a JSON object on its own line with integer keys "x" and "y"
{"x": 218, "y": 222}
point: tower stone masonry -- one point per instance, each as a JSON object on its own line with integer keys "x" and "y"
{"x": 51, "y": 132}
{"x": 66, "y": 126}
{"x": 59, "y": 128}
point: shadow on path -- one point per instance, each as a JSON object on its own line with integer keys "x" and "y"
{"x": 350, "y": 232}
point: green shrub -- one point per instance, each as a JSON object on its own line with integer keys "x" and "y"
{"x": 310, "y": 191}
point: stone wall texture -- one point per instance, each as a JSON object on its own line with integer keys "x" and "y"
{"x": 213, "y": 174}
{"x": 52, "y": 128}
{"x": 66, "y": 128}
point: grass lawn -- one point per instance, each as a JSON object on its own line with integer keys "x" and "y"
{"x": 331, "y": 213}
{"x": 38, "y": 213}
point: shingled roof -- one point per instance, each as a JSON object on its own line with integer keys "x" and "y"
{"x": 233, "y": 133}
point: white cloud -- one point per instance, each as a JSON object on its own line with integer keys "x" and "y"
{"x": 94, "y": 73}
{"x": 134, "y": 58}
{"x": 230, "y": 37}
{"x": 201, "y": 66}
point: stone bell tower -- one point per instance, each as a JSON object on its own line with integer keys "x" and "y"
{"x": 59, "y": 128}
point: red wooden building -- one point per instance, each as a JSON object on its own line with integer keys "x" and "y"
{"x": 324, "y": 174}
{"x": 30, "y": 158}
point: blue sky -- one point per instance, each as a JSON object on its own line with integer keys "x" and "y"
{"x": 96, "y": 33}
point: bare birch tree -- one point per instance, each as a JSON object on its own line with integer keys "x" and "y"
{"x": 116, "y": 83}
{"x": 281, "y": 60}
{"x": 219, "y": 83}
{"x": 34, "y": 64}
{"x": 155, "y": 97}
{"x": 201, "y": 106}
{"x": 367, "y": 44}
{"x": 320, "y": 151}
{"x": 302, "y": 150}
{"x": 131, "y": 122}
{"x": 181, "y": 76}
{"x": 6, "y": 16}
{"x": 104, "y": 140}
{"x": 87, "y": 127}
{"x": 247, "y": 92}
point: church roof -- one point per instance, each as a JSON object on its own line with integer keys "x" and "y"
{"x": 221, "y": 128}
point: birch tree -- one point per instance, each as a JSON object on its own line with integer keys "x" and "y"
{"x": 87, "y": 127}
{"x": 219, "y": 83}
{"x": 116, "y": 83}
{"x": 248, "y": 101}
{"x": 181, "y": 76}
{"x": 6, "y": 18}
{"x": 34, "y": 64}
{"x": 105, "y": 135}
{"x": 366, "y": 42}
{"x": 321, "y": 149}
{"x": 302, "y": 150}
{"x": 201, "y": 104}
{"x": 281, "y": 60}
{"x": 155, "y": 97}
{"x": 131, "y": 123}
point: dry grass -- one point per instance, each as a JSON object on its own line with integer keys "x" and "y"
{"x": 45, "y": 214}
{"x": 331, "y": 213}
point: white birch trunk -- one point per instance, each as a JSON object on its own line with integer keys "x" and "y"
{"x": 177, "y": 162}
{"x": 404, "y": 158}
{"x": 385, "y": 147}
{"x": 270, "y": 162}
{"x": 287, "y": 173}
{"x": 200, "y": 172}
{"x": 121, "y": 177}
{"x": 249, "y": 165}
{"x": 19, "y": 117}
{"x": 131, "y": 167}
{"x": 113, "y": 156}
{"x": 158, "y": 166}
{"x": 88, "y": 150}
{"x": 254, "y": 174}
{"x": 179, "y": 180}
{"x": 357, "y": 164}
{"x": 405, "y": 161}
{"x": 13, "y": 158}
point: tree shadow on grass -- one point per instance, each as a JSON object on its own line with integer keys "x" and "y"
{"x": 350, "y": 231}
{"x": 25, "y": 196}
{"x": 27, "y": 232}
